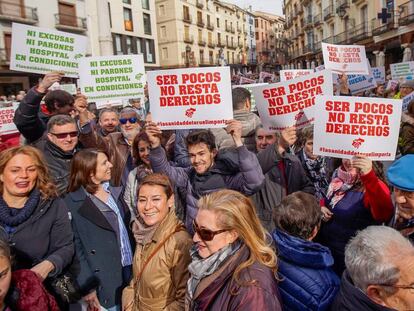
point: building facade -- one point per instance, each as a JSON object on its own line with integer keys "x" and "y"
{"x": 310, "y": 22}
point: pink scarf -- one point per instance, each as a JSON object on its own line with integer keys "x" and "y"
{"x": 342, "y": 181}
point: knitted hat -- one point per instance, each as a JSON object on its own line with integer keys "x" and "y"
{"x": 400, "y": 174}
{"x": 408, "y": 83}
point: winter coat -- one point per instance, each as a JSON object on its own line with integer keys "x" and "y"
{"x": 284, "y": 175}
{"x": 134, "y": 179}
{"x": 351, "y": 298}
{"x": 214, "y": 292}
{"x": 29, "y": 120}
{"x": 249, "y": 122}
{"x": 163, "y": 282}
{"x": 406, "y": 141}
{"x": 97, "y": 248}
{"x": 46, "y": 235}
{"x": 247, "y": 179}
{"x": 307, "y": 279}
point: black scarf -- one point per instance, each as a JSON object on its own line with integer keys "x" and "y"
{"x": 13, "y": 217}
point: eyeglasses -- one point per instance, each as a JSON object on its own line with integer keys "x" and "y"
{"x": 125, "y": 120}
{"x": 206, "y": 234}
{"x": 64, "y": 135}
{"x": 409, "y": 287}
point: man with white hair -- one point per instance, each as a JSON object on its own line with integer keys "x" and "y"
{"x": 379, "y": 272}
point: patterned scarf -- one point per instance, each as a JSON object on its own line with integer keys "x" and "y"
{"x": 13, "y": 217}
{"x": 342, "y": 181}
{"x": 142, "y": 233}
{"x": 317, "y": 172}
{"x": 201, "y": 267}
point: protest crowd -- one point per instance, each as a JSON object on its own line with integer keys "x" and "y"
{"x": 302, "y": 201}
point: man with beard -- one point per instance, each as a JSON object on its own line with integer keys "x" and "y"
{"x": 116, "y": 145}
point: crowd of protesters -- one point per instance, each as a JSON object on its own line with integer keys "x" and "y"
{"x": 109, "y": 212}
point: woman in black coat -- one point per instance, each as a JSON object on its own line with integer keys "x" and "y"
{"x": 100, "y": 224}
{"x": 32, "y": 219}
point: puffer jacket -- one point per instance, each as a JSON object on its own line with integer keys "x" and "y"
{"x": 249, "y": 122}
{"x": 163, "y": 281}
{"x": 307, "y": 279}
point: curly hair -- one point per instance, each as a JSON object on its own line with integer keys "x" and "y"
{"x": 45, "y": 185}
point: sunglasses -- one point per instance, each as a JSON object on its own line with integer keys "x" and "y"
{"x": 206, "y": 234}
{"x": 125, "y": 120}
{"x": 64, "y": 135}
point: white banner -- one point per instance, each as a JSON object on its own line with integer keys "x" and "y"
{"x": 361, "y": 83}
{"x": 111, "y": 78}
{"x": 7, "y": 125}
{"x": 346, "y": 126}
{"x": 191, "y": 98}
{"x": 289, "y": 103}
{"x": 349, "y": 59}
{"x": 286, "y": 75}
{"x": 402, "y": 71}
{"x": 379, "y": 74}
{"x": 43, "y": 50}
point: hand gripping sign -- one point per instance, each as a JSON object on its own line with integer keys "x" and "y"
{"x": 349, "y": 126}
{"x": 349, "y": 59}
{"x": 289, "y": 103}
{"x": 190, "y": 98}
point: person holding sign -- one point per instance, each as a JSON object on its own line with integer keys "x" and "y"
{"x": 358, "y": 198}
{"x": 210, "y": 171}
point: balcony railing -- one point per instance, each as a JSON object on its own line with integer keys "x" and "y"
{"x": 4, "y": 57}
{"x": 210, "y": 26}
{"x": 70, "y": 22}
{"x": 200, "y": 23}
{"x": 360, "y": 32}
{"x": 240, "y": 45}
{"x": 308, "y": 21}
{"x": 341, "y": 38}
{"x": 188, "y": 39}
{"x": 317, "y": 47}
{"x": 379, "y": 28}
{"x": 15, "y": 12}
{"x": 328, "y": 40}
{"x": 211, "y": 45}
{"x": 317, "y": 19}
{"x": 199, "y": 4}
{"x": 231, "y": 45}
{"x": 328, "y": 12}
{"x": 308, "y": 49}
{"x": 201, "y": 42}
{"x": 407, "y": 13}
{"x": 187, "y": 19}
{"x": 220, "y": 44}
{"x": 342, "y": 4}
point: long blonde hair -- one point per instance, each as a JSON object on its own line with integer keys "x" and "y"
{"x": 236, "y": 212}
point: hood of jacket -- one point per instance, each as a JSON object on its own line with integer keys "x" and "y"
{"x": 352, "y": 298}
{"x": 57, "y": 152}
{"x": 301, "y": 252}
{"x": 249, "y": 122}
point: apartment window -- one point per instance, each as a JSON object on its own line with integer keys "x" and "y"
{"x": 186, "y": 32}
{"x": 67, "y": 14}
{"x": 128, "y": 45}
{"x": 228, "y": 56}
{"x": 163, "y": 31}
{"x": 217, "y": 9}
{"x": 208, "y": 19}
{"x": 110, "y": 15}
{"x": 186, "y": 12}
{"x": 164, "y": 53}
{"x": 232, "y": 57}
{"x": 219, "y": 38}
{"x": 211, "y": 57}
{"x": 227, "y": 39}
{"x": 218, "y": 22}
{"x": 145, "y": 4}
{"x": 200, "y": 35}
{"x": 257, "y": 36}
{"x": 256, "y": 23}
{"x": 118, "y": 45}
{"x": 149, "y": 49}
{"x": 139, "y": 49}
{"x": 261, "y": 23}
{"x": 126, "y": 1}
{"x": 128, "y": 19}
{"x": 147, "y": 23}
{"x": 201, "y": 56}
{"x": 210, "y": 38}
{"x": 7, "y": 44}
{"x": 161, "y": 9}
{"x": 199, "y": 17}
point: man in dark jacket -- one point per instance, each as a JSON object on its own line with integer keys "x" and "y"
{"x": 379, "y": 272}
{"x": 108, "y": 122}
{"x": 58, "y": 148}
{"x": 305, "y": 268}
{"x": 30, "y": 120}
{"x": 284, "y": 175}
{"x": 210, "y": 171}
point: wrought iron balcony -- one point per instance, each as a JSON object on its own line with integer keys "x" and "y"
{"x": 70, "y": 22}
{"x": 15, "y": 12}
{"x": 189, "y": 39}
{"x": 211, "y": 45}
{"x": 210, "y": 26}
{"x": 199, "y": 4}
{"x": 328, "y": 12}
{"x": 342, "y": 4}
{"x": 407, "y": 13}
{"x": 200, "y": 23}
{"x": 187, "y": 19}
{"x": 360, "y": 32}
{"x": 317, "y": 19}
{"x": 379, "y": 28}
{"x": 308, "y": 21}
{"x": 201, "y": 42}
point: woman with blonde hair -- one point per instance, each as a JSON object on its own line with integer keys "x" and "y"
{"x": 233, "y": 265}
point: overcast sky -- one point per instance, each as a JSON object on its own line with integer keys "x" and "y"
{"x": 271, "y": 6}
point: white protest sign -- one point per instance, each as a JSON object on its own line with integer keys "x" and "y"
{"x": 346, "y": 126}
{"x": 70, "y": 87}
{"x": 190, "y": 98}
{"x": 406, "y": 101}
{"x": 392, "y": 85}
{"x": 289, "y": 103}
{"x": 335, "y": 76}
{"x": 7, "y": 125}
{"x": 361, "y": 83}
{"x": 402, "y": 71}
{"x": 109, "y": 103}
{"x": 42, "y": 50}
{"x": 266, "y": 77}
{"x": 379, "y": 74}
{"x": 109, "y": 78}
{"x": 244, "y": 80}
{"x": 286, "y": 75}
{"x": 349, "y": 59}
{"x": 249, "y": 87}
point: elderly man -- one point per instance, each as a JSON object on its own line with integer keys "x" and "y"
{"x": 379, "y": 272}
{"x": 264, "y": 138}
{"x": 108, "y": 122}
{"x": 405, "y": 89}
{"x": 401, "y": 177}
{"x": 117, "y": 145}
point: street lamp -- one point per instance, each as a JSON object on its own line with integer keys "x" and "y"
{"x": 187, "y": 55}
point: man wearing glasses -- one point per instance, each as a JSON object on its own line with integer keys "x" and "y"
{"x": 400, "y": 175}
{"x": 379, "y": 272}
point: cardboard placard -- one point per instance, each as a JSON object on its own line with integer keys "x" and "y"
{"x": 286, "y": 75}
{"x": 346, "y": 126}
{"x": 406, "y": 101}
{"x": 402, "y": 71}
{"x": 265, "y": 77}
{"x": 111, "y": 78}
{"x": 43, "y": 50}
{"x": 7, "y": 125}
{"x": 379, "y": 74}
{"x": 289, "y": 103}
{"x": 244, "y": 80}
{"x": 191, "y": 98}
{"x": 349, "y": 59}
{"x": 361, "y": 83}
